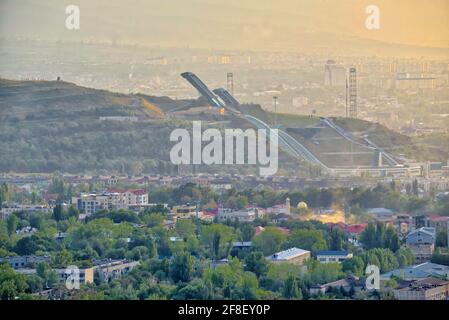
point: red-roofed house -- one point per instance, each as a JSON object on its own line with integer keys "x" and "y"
{"x": 353, "y": 229}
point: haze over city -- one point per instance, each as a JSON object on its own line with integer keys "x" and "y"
{"x": 285, "y": 25}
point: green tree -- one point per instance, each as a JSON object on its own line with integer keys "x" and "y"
{"x": 26, "y": 246}
{"x": 12, "y": 223}
{"x": 307, "y": 239}
{"x": 247, "y": 231}
{"x": 256, "y": 262}
{"x": 336, "y": 238}
{"x": 58, "y": 212}
{"x": 181, "y": 267}
{"x": 216, "y": 245}
{"x": 269, "y": 241}
{"x": 355, "y": 266}
{"x": 61, "y": 259}
{"x": 291, "y": 289}
{"x": 11, "y": 283}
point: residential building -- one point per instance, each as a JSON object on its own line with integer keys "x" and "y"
{"x": 186, "y": 212}
{"x": 348, "y": 284}
{"x": 241, "y": 247}
{"x": 334, "y": 74}
{"x": 424, "y": 289}
{"x": 91, "y": 203}
{"x": 86, "y": 275}
{"x": 244, "y": 215}
{"x": 20, "y": 262}
{"x": 111, "y": 269}
{"x": 111, "y": 199}
{"x": 106, "y": 270}
{"x": 404, "y": 223}
{"x": 440, "y": 223}
{"x": 327, "y": 256}
{"x": 422, "y": 243}
{"x": 292, "y": 255}
{"x": 280, "y": 208}
{"x": 7, "y": 209}
{"x": 133, "y": 197}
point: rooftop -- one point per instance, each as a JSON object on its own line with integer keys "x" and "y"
{"x": 288, "y": 254}
{"x": 419, "y": 271}
{"x": 332, "y": 253}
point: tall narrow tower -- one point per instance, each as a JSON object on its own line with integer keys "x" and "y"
{"x": 351, "y": 87}
{"x": 230, "y": 82}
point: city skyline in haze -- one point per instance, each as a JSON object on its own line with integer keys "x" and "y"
{"x": 286, "y": 25}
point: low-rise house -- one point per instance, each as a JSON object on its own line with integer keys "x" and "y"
{"x": 280, "y": 208}
{"x": 28, "y": 230}
{"x": 244, "y": 215}
{"x": 281, "y": 217}
{"x": 440, "y": 223}
{"x": 424, "y": 289}
{"x": 60, "y": 237}
{"x": 348, "y": 284}
{"x": 327, "y": 256}
{"x": 20, "y": 262}
{"x": 422, "y": 243}
{"x": 111, "y": 269}
{"x": 353, "y": 230}
{"x": 7, "y": 209}
{"x": 187, "y": 212}
{"x": 292, "y": 255}
{"x": 241, "y": 246}
{"x": 418, "y": 272}
{"x": 106, "y": 270}
{"x": 86, "y": 275}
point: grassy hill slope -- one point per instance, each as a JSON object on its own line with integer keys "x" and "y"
{"x": 58, "y": 126}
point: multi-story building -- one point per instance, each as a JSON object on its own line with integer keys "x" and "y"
{"x": 92, "y": 203}
{"x": 425, "y": 289}
{"x": 422, "y": 243}
{"x": 112, "y": 199}
{"x": 334, "y": 74}
{"x": 133, "y": 197}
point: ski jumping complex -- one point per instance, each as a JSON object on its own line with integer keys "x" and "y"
{"x": 326, "y": 145}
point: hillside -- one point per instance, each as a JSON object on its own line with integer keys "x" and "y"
{"x": 49, "y": 126}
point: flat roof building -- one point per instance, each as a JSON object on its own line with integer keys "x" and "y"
{"x": 292, "y": 255}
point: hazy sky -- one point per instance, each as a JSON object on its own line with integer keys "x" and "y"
{"x": 246, "y": 24}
